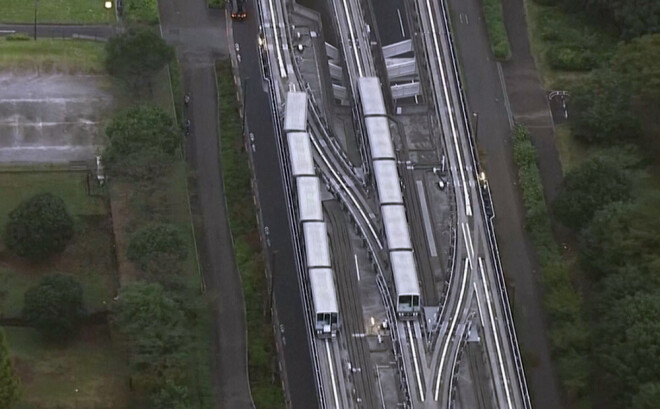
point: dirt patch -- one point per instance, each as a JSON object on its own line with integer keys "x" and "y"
{"x": 121, "y": 194}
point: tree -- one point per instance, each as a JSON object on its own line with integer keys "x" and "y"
{"x": 171, "y": 396}
{"x": 136, "y": 55}
{"x": 54, "y": 307}
{"x": 155, "y": 332}
{"x": 623, "y": 235}
{"x": 633, "y": 18}
{"x": 143, "y": 141}
{"x": 39, "y": 227}
{"x": 639, "y": 63}
{"x": 587, "y": 189}
{"x": 629, "y": 345}
{"x": 9, "y": 385}
{"x": 647, "y": 397}
{"x": 156, "y": 241}
{"x": 600, "y": 110}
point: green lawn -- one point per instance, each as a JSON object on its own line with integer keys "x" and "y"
{"x": 90, "y": 373}
{"x": 89, "y": 257}
{"x": 56, "y": 11}
{"x": 52, "y": 55}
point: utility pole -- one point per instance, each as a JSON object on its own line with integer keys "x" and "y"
{"x": 36, "y": 6}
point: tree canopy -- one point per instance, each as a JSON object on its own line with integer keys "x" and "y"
{"x": 156, "y": 334}
{"x": 9, "y": 385}
{"x": 156, "y": 241}
{"x": 629, "y": 346}
{"x": 639, "y": 63}
{"x": 39, "y": 227}
{"x": 600, "y": 110}
{"x": 171, "y": 396}
{"x": 143, "y": 141}
{"x": 54, "y": 307}
{"x": 587, "y": 189}
{"x": 647, "y": 397}
{"x": 136, "y": 55}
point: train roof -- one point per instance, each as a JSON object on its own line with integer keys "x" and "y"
{"x": 396, "y": 227}
{"x": 316, "y": 244}
{"x": 300, "y": 153}
{"x": 387, "y": 182}
{"x": 323, "y": 290}
{"x": 404, "y": 272}
{"x": 295, "y": 118}
{"x": 371, "y": 96}
{"x": 309, "y": 199}
{"x": 380, "y": 139}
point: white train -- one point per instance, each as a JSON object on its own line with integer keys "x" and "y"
{"x": 310, "y": 215}
{"x": 397, "y": 232}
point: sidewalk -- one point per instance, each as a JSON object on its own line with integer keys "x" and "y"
{"x": 485, "y": 82}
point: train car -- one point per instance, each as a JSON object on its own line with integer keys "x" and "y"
{"x": 371, "y": 97}
{"x": 296, "y": 112}
{"x": 326, "y": 318}
{"x": 300, "y": 154}
{"x": 309, "y": 199}
{"x": 380, "y": 138}
{"x": 396, "y": 227}
{"x": 405, "y": 281}
{"x": 387, "y": 182}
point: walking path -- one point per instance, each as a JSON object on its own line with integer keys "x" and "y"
{"x": 486, "y": 84}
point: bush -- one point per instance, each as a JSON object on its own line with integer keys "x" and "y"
{"x": 54, "y": 307}
{"x": 18, "y": 37}
{"x": 499, "y": 40}
{"x": 141, "y": 11}
{"x": 154, "y": 241}
{"x": 9, "y": 383}
{"x": 39, "y": 227}
{"x": 216, "y": 4}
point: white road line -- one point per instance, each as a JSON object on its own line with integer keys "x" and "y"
{"x": 280, "y": 61}
{"x": 357, "y": 267}
{"x": 492, "y": 323}
{"x": 505, "y": 94}
{"x": 414, "y": 353}
{"x": 332, "y": 374}
{"x": 352, "y": 33}
{"x": 451, "y": 330}
{"x": 468, "y": 243}
{"x": 468, "y": 206}
{"x": 476, "y": 293}
{"x": 403, "y": 33}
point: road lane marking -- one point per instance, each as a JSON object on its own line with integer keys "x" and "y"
{"x": 451, "y": 330}
{"x": 427, "y": 219}
{"x": 492, "y": 323}
{"x": 357, "y": 267}
{"x": 403, "y": 33}
{"x": 414, "y": 353}
{"x": 332, "y": 374}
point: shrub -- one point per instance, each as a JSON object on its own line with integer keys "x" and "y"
{"x": 39, "y": 227}
{"x": 499, "y": 40}
{"x": 18, "y": 37}
{"x": 154, "y": 241}
{"x": 54, "y": 307}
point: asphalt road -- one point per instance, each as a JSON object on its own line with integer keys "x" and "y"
{"x": 486, "y": 97}
{"x": 197, "y": 56}
{"x": 273, "y": 206}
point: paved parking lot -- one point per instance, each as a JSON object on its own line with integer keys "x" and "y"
{"x": 51, "y": 118}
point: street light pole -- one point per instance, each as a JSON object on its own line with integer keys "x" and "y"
{"x": 36, "y": 4}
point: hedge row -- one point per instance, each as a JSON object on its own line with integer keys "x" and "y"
{"x": 499, "y": 41}
{"x": 569, "y": 334}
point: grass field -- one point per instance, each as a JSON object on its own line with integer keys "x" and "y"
{"x": 56, "y": 11}
{"x": 90, "y": 373}
{"x": 52, "y": 55}
{"x": 89, "y": 257}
